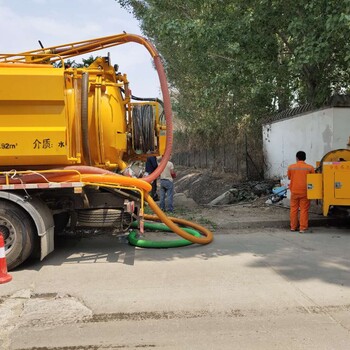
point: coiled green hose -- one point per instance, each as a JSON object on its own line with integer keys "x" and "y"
{"x": 138, "y": 242}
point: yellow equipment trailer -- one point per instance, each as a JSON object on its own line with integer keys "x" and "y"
{"x": 331, "y": 183}
{"x": 66, "y": 135}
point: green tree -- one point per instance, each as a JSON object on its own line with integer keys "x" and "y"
{"x": 234, "y": 60}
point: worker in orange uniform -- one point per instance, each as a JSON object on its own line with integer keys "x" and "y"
{"x": 298, "y": 187}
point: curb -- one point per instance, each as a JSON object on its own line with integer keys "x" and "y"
{"x": 317, "y": 222}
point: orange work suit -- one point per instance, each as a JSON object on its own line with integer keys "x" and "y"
{"x": 298, "y": 188}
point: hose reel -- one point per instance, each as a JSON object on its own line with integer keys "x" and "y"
{"x": 143, "y": 128}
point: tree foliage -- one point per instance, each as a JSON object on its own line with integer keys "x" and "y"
{"x": 229, "y": 60}
{"x": 73, "y": 64}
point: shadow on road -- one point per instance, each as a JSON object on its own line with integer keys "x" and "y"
{"x": 322, "y": 255}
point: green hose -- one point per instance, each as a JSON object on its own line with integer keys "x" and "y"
{"x": 133, "y": 240}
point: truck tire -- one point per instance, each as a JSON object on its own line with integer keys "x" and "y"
{"x": 100, "y": 218}
{"x": 18, "y": 231}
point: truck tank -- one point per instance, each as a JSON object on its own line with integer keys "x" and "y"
{"x": 55, "y": 116}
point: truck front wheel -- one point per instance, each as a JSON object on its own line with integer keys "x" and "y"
{"x": 18, "y": 231}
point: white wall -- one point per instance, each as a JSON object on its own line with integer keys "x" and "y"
{"x": 315, "y": 133}
{"x": 341, "y": 130}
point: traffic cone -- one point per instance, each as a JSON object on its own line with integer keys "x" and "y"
{"x": 4, "y": 276}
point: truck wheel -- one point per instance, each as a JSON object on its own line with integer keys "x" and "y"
{"x": 100, "y": 217}
{"x": 18, "y": 230}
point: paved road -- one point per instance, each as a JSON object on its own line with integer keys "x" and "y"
{"x": 252, "y": 289}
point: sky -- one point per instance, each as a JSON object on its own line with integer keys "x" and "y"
{"x": 24, "y": 22}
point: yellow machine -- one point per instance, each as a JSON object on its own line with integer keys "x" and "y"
{"x": 331, "y": 183}
{"x": 66, "y": 135}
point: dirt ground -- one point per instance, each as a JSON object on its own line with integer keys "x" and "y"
{"x": 196, "y": 188}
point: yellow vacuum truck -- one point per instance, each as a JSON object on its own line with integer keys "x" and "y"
{"x": 67, "y": 136}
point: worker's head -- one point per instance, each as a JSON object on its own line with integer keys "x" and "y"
{"x": 301, "y": 155}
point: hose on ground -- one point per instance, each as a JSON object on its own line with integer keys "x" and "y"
{"x": 140, "y": 242}
{"x": 206, "y": 235}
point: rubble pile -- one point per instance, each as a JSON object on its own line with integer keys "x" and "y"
{"x": 220, "y": 189}
{"x": 244, "y": 192}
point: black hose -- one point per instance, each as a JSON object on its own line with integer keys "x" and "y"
{"x": 143, "y": 123}
{"x": 143, "y": 126}
{"x": 155, "y": 99}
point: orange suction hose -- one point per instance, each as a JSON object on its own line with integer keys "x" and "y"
{"x": 166, "y": 99}
{"x": 170, "y": 222}
{"x": 104, "y": 178}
